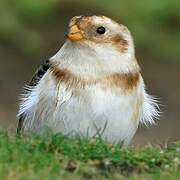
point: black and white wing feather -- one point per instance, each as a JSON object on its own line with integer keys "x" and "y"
{"x": 34, "y": 82}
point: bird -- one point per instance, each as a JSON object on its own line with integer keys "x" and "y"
{"x": 92, "y": 87}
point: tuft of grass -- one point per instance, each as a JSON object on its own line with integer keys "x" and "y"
{"x": 60, "y": 157}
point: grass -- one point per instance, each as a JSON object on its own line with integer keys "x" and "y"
{"x": 59, "y": 157}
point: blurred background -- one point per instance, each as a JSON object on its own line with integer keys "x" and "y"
{"x": 31, "y": 31}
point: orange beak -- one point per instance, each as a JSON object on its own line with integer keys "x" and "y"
{"x": 75, "y": 34}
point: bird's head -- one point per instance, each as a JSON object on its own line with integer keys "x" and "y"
{"x": 99, "y": 44}
{"x": 99, "y": 31}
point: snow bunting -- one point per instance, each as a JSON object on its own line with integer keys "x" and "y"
{"x": 91, "y": 87}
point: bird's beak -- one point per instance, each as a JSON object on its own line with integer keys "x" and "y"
{"x": 75, "y": 34}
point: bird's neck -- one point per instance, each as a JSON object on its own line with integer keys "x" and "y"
{"x": 94, "y": 62}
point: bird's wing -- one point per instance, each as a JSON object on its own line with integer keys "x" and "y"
{"x": 33, "y": 82}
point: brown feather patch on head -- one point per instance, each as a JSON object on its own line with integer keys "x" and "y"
{"x": 120, "y": 43}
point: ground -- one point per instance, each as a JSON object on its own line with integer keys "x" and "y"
{"x": 59, "y": 157}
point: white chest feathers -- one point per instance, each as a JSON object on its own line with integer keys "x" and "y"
{"x": 88, "y": 111}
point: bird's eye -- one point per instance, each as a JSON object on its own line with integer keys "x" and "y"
{"x": 101, "y": 30}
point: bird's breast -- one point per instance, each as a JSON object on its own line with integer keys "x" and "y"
{"x": 96, "y": 108}
{"x": 111, "y": 106}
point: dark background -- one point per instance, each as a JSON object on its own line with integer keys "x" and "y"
{"x": 31, "y": 31}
